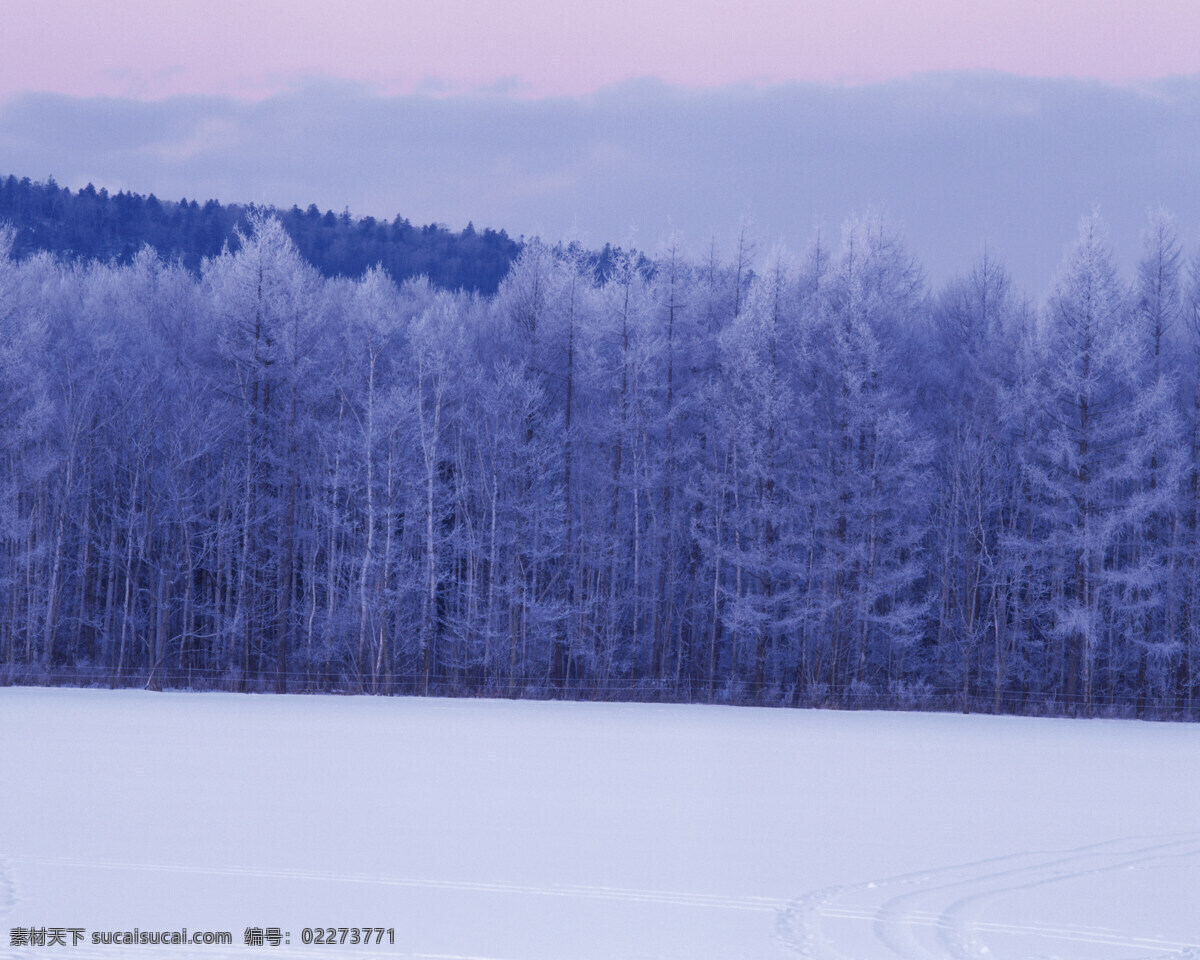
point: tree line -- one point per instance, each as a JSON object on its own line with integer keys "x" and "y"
{"x": 805, "y": 481}
{"x": 92, "y": 224}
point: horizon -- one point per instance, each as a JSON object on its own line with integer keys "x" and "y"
{"x": 955, "y": 161}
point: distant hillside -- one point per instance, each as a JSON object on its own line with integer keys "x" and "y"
{"x": 92, "y": 223}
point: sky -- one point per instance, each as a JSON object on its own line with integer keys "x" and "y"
{"x": 251, "y": 48}
{"x": 967, "y": 122}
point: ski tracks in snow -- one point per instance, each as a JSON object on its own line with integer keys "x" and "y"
{"x": 761, "y": 904}
{"x": 939, "y": 914}
{"x": 936, "y": 914}
{"x": 767, "y": 905}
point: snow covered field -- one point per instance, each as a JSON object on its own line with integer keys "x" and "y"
{"x": 571, "y": 831}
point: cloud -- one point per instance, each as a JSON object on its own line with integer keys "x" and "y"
{"x": 959, "y": 160}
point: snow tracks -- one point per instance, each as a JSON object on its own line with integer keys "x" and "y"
{"x": 940, "y": 914}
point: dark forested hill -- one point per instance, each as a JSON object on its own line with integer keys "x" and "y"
{"x": 93, "y": 224}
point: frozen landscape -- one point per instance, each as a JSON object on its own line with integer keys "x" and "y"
{"x": 501, "y": 830}
{"x": 474, "y": 475}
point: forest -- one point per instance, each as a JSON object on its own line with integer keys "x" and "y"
{"x": 737, "y": 477}
{"x": 92, "y": 224}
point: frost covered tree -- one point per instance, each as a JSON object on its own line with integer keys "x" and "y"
{"x": 263, "y": 300}
{"x": 977, "y": 555}
{"x": 691, "y": 478}
{"x": 1085, "y": 460}
{"x": 869, "y": 468}
{"x": 1149, "y": 586}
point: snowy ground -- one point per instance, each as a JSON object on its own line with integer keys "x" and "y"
{"x": 570, "y": 831}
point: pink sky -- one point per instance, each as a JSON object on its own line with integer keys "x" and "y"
{"x": 152, "y": 48}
